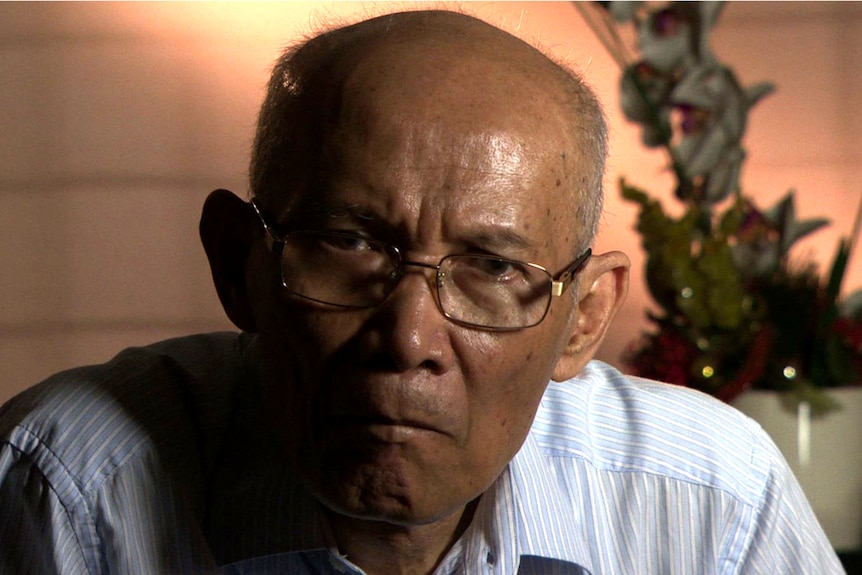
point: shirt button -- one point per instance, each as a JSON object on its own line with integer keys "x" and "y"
{"x": 490, "y": 558}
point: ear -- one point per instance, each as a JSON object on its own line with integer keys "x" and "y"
{"x": 603, "y": 288}
{"x": 228, "y": 230}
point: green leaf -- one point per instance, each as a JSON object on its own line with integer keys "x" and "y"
{"x": 633, "y": 194}
{"x": 783, "y": 217}
{"x": 836, "y": 273}
{"x": 754, "y": 93}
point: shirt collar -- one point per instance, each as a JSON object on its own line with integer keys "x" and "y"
{"x": 526, "y": 519}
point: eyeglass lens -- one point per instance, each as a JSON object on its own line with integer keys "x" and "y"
{"x": 347, "y": 270}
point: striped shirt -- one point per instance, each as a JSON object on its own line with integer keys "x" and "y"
{"x": 155, "y": 463}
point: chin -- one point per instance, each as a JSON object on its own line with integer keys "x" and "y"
{"x": 382, "y": 495}
{"x": 384, "y": 508}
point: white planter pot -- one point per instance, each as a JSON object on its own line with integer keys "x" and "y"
{"x": 825, "y": 453}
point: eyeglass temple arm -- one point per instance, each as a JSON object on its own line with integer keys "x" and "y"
{"x": 269, "y": 238}
{"x": 559, "y": 285}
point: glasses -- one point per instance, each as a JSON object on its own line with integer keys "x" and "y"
{"x": 348, "y": 270}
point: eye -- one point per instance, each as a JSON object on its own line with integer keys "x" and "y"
{"x": 496, "y": 269}
{"x": 346, "y": 243}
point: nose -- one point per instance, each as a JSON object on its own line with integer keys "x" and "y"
{"x": 408, "y": 331}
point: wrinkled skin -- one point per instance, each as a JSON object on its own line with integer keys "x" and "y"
{"x": 397, "y": 418}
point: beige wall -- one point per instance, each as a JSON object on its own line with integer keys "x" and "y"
{"x": 117, "y": 119}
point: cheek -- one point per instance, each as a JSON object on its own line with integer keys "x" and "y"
{"x": 296, "y": 346}
{"x": 521, "y": 363}
{"x": 515, "y": 369}
{"x": 305, "y": 337}
{"x": 514, "y": 373}
{"x": 297, "y": 349}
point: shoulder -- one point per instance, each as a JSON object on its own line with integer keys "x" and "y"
{"x": 617, "y": 423}
{"x": 80, "y": 425}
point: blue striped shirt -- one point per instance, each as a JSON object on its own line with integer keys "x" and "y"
{"x": 155, "y": 463}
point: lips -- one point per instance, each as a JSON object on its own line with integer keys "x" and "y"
{"x": 363, "y": 431}
{"x": 377, "y": 420}
{"x": 354, "y": 418}
{"x": 385, "y": 409}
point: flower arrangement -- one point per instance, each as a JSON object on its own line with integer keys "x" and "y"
{"x": 736, "y": 310}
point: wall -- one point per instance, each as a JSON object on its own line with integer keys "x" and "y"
{"x": 116, "y": 120}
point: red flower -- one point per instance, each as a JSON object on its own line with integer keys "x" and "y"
{"x": 665, "y": 356}
{"x": 850, "y": 332}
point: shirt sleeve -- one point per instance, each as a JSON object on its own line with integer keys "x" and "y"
{"x": 785, "y": 536}
{"x": 38, "y": 531}
{"x": 102, "y": 468}
{"x": 130, "y": 523}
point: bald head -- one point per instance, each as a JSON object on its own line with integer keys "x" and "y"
{"x": 417, "y": 68}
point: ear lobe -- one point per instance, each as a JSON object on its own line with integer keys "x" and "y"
{"x": 227, "y": 230}
{"x": 604, "y": 285}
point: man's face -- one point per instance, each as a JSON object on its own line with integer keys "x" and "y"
{"x": 395, "y": 413}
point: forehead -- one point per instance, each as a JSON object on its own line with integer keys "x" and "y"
{"x": 468, "y": 84}
{"x": 452, "y": 128}
{"x": 403, "y": 172}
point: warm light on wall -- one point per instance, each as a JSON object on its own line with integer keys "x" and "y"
{"x": 281, "y": 21}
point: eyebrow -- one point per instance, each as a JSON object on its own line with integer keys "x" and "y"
{"x": 498, "y": 238}
{"x": 319, "y": 211}
{"x": 486, "y": 237}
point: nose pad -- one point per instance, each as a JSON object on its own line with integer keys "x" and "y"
{"x": 432, "y": 284}
{"x": 398, "y": 275}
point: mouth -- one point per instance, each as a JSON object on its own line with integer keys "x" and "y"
{"x": 378, "y": 428}
{"x": 379, "y": 409}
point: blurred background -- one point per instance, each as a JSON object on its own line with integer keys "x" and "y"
{"x": 116, "y": 120}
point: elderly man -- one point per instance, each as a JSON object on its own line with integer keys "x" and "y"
{"x": 413, "y": 391}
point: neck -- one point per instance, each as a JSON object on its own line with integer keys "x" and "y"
{"x": 382, "y": 548}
